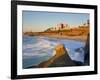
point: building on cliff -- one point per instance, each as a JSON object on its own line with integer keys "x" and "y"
{"x": 60, "y": 27}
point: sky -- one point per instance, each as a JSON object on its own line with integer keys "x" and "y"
{"x": 37, "y": 21}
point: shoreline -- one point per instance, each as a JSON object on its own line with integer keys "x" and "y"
{"x": 76, "y": 38}
{"x": 82, "y": 38}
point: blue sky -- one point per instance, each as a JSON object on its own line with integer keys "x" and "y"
{"x": 40, "y": 21}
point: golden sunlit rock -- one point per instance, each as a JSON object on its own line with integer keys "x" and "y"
{"x": 61, "y": 58}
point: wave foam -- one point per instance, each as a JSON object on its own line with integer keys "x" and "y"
{"x": 40, "y": 48}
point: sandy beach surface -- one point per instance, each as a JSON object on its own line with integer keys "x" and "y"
{"x": 77, "y": 38}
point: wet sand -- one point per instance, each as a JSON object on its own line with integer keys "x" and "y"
{"x": 77, "y": 38}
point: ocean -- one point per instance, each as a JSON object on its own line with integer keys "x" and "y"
{"x": 37, "y": 49}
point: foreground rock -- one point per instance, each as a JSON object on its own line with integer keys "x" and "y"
{"x": 60, "y": 59}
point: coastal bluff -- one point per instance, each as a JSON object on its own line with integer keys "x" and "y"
{"x": 60, "y": 59}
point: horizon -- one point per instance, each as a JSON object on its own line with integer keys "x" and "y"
{"x": 36, "y": 21}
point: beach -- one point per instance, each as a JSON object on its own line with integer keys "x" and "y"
{"x": 76, "y": 38}
{"x": 40, "y": 46}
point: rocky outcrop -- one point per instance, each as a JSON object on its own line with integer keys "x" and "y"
{"x": 87, "y": 51}
{"x": 60, "y": 59}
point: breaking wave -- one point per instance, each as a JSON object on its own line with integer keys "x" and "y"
{"x": 39, "y": 48}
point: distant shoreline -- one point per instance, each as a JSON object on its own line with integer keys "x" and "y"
{"x": 78, "y": 34}
{"x": 82, "y": 38}
{"x": 76, "y": 38}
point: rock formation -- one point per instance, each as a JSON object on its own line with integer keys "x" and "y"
{"x": 60, "y": 59}
{"x": 87, "y": 51}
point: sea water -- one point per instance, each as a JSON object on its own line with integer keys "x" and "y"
{"x": 37, "y": 49}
